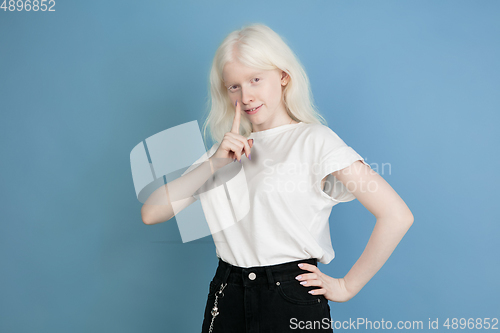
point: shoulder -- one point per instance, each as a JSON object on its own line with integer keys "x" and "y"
{"x": 322, "y": 135}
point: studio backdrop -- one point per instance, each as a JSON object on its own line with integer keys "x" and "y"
{"x": 411, "y": 85}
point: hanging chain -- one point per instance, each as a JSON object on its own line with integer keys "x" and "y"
{"x": 215, "y": 309}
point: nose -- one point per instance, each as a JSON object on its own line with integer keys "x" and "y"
{"x": 246, "y": 96}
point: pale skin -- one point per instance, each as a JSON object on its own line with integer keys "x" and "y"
{"x": 393, "y": 221}
{"x": 247, "y": 90}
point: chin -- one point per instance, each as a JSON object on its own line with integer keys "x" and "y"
{"x": 256, "y": 122}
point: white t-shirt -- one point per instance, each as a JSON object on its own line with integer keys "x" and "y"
{"x": 271, "y": 209}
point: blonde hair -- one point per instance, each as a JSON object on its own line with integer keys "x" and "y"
{"x": 258, "y": 47}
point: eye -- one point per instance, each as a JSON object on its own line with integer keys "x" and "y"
{"x": 231, "y": 87}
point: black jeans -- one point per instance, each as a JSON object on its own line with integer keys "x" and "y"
{"x": 265, "y": 299}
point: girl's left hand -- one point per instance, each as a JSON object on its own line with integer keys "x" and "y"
{"x": 333, "y": 289}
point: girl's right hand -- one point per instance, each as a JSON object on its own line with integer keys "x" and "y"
{"x": 233, "y": 144}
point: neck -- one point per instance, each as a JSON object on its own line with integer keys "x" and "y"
{"x": 263, "y": 127}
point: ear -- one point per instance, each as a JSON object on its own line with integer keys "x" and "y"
{"x": 284, "y": 78}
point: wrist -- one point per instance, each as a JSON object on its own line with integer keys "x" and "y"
{"x": 219, "y": 163}
{"x": 349, "y": 287}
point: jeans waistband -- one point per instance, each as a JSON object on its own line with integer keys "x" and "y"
{"x": 258, "y": 275}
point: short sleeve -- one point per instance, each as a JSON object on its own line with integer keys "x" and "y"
{"x": 198, "y": 162}
{"x": 334, "y": 155}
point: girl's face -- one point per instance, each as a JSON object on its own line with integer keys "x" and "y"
{"x": 257, "y": 88}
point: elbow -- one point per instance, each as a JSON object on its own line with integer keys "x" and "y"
{"x": 411, "y": 219}
{"x": 402, "y": 222}
{"x": 154, "y": 214}
{"x": 144, "y": 216}
{"x": 407, "y": 220}
{"x": 405, "y": 217}
{"x": 149, "y": 218}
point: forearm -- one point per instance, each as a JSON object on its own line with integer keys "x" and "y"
{"x": 159, "y": 207}
{"x": 386, "y": 235}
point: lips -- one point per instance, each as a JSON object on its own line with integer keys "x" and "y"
{"x": 254, "y": 111}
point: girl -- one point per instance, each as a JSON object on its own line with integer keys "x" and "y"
{"x": 274, "y": 228}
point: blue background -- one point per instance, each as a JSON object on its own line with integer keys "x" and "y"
{"x": 411, "y": 83}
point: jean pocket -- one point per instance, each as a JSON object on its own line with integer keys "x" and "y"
{"x": 214, "y": 287}
{"x": 293, "y": 292}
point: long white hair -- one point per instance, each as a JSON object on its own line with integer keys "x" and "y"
{"x": 258, "y": 47}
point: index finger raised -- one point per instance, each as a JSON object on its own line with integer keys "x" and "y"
{"x": 236, "y": 120}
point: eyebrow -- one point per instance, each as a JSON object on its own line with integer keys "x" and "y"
{"x": 250, "y": 76}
